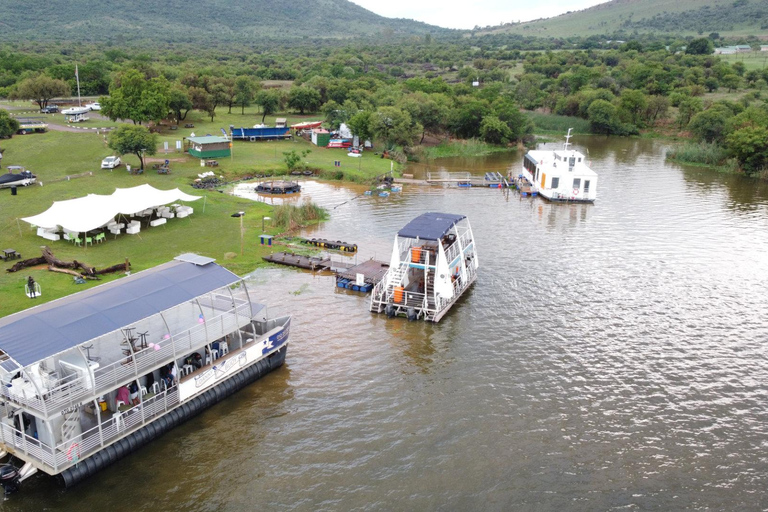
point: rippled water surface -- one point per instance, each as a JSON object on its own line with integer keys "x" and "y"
{"x": 609, "y": 356}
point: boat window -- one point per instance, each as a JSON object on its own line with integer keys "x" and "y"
{"x": 586, "y": 186}
{"x": 576, "y": 183}
{"x": 555, "y": 182}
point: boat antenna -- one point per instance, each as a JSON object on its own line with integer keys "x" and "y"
{"x": 77, "y": 77}
{"x": 567, "y": 139}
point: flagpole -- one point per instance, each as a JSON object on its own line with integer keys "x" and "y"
{"x": 77, "y": 77}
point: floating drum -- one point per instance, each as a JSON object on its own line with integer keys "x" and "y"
{"x": 415, "y": 254}
{"x": 399, "y": 294}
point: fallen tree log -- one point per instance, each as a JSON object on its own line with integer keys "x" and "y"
{"x": 122, "y": 267}
{"x": 32, "y": 262}
{"x": 55, "y": 262}
{"x": 72, "y": 273}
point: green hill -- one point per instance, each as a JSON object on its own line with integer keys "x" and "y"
{"x": 215, "y": 21}
{"x": 681, "y": 17}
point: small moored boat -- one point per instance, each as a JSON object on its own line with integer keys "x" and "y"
{"x": 16, "y": 176}
{"x": 433, "y": 262}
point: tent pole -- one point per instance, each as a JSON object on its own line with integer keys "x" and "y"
{"x": 18, "y": 224}
{"x": 205, "y": 199}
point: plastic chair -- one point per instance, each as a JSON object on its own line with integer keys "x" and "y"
{"x": 224, "y": 348}
{"x": 215, "y": 354}
{"x": 88, "y": 240}
{"x": 119, "y": 423}
{"x": 100, "y": 238}
{"x": 207, "y": 359}
{"x": 118, "y": 404}
{"x": 143, "y": 390}
{"x": 78, "y": 241}
{"x": 156, "y": 387}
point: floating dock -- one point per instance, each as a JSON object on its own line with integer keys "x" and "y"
{"x": 337, "y": 245}
{"x": 372, "y": 271}
{"x": 297, "y": 260}
{"x": 524, "y": 186}
{"x": 278, "y": 187}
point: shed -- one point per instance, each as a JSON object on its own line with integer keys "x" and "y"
{"x": 209, "y": 146}
{"x": 281, "y": 122}
{"x": 321, "y": 137}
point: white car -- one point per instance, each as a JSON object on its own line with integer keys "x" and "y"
{"x": 110, "y": 162}
{"x": 93, "y": 106}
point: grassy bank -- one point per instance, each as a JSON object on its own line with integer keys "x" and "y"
{"x": 459, "y": 148}
{"x": 210, "y": 231}
{"x": 552, "y": 123}
{"x": 703, "y": 154}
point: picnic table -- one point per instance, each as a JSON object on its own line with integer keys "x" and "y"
{"x": 189, "y": 125}
{"x": 211, "y": 163}
{"x": 10, "y": 254}
{"x": 164, "y": 170}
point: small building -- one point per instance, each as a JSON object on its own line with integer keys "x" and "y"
{"x": 208, "y": 146}
{"x": 281, "y": 122}
{"x": 321, "y": 137}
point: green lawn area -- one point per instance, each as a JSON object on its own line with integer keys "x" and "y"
{"x": 751, "y": 60}
{"x": 210, "y": 231}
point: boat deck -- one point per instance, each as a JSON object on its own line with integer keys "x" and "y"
{"x": 372, "y": 270}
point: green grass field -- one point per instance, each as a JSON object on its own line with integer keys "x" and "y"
{"x": 210, "y": 231}
{"x": 751, "y": 60}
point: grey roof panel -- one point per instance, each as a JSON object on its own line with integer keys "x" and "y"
{"x": 34, "y": 334}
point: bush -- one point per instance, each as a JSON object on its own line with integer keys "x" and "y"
{"x": 699, "y": 153}
{"x": 290, "y": 217}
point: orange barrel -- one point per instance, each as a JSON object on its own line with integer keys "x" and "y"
{"x": 399, "y": 294}
{"x": 415, "y": 254}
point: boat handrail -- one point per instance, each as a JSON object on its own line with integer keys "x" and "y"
{"x": 112, "y": 375}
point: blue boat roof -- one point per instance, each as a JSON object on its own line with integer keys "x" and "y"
{"x": 430, "y": 226}
{"x": 34, "y": 334}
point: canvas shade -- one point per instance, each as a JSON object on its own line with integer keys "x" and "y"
{"x": 430, "y": 226}
{"x": 93, "y": 211}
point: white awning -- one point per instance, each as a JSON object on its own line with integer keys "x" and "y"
{"x": 93, "y": 211}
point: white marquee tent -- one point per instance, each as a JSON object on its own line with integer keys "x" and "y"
{"x": 93, "y": 211}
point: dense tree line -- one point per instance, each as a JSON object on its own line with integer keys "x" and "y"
{"x": 399, "y": 93}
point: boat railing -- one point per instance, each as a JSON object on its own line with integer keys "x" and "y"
{"x": 73, "y": 389}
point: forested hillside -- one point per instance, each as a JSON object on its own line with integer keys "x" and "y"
{"x": 682, "y": 17}
{"x": 219, "y": 21}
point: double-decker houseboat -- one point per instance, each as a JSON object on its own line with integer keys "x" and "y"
{"x": 558, "y": 175}
{"x": 89, "y": 378}
{"x": 433, "y": 262}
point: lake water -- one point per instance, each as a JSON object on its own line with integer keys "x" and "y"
{"x": 609, "y": 356}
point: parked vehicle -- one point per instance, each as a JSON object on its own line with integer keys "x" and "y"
{"x": 50, "y": 109}
{"x": 93, "y": 106}
{"x": 110, "y": 162}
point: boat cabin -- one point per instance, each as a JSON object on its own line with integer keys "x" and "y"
{"x": 561, "y": 175}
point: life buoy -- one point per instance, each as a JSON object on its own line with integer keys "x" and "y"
{"x": 575, "y": 191}
{"x": 74, "y": 447}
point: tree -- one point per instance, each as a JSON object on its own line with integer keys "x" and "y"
{"x": 656, "y": 110}
{"x": 429, "y": 110}
{"x": 686, "y": 110}
{"x": 8, "y": 125}
{"x": 245, "y": 91}
{"x": 360, "y": 125}
{"x": 701, "y": 46}
{"x": 749, "y": 145}
{"x": 41, "y": 89}
{"x": 711, "y": 84}
{"x": 201, "y": 99}
{"x": 602, "y": 117}
{"x": 632, "y": 105}
{"x": 132, "y": 96}
{"x": 269, "y": 101}
{"x": 304, "y": 99}
{"x": 495, "y": 131}
{"x": 179, "y": 103}
{"x": 732, "y": 82}
{"x": 293, "y": 158}
{"x": 394, "y": 126}
{"x": 133, "y": 139}
{"x": 710, "y": 125}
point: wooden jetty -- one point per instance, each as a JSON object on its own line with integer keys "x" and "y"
{"x": 297, "y": 260}
{"x": 524, "y": 186}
